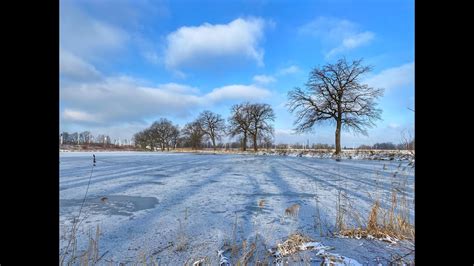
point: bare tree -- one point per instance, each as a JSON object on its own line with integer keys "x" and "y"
{"x": 267, "y": 142}
{"x": 193, "y": 134}
{"x": 334, "y": 94}
{"x": 173, "y": 137}
{"x": 260, "y": 117}
{"x": 407, "y": 140}
{"x": 65, "y": 137}
{"x": 239, "y": 123}
{"x": 212, "y": 125}
{"x": 164, "y": 132}
{"x": 85, "y": 137}
{"x": 151, "y": 139}
{"x": 140, "y": 139}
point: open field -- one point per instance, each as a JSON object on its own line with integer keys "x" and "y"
{"x": 172, "y": 207}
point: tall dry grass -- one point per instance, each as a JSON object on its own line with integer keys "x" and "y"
{"x": 392, "y": 224}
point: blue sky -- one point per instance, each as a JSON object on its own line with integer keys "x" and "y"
{"x": 124, "y": 64}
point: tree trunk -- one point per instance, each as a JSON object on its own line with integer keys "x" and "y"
{"x": 338, "y": 136}
{"x": 244, "y": 143}
{"x": 213, "y": 143}
{"x": 255, "y": 148}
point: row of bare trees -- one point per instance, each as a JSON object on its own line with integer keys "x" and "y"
{"x": 85, "y": 137}
{"x": 249, "y": 122}
{"x": 161, "y": 134}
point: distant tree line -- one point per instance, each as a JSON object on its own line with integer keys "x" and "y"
{"x": 86, "y": 138}
{"x": 410, "y": 145}
{"x": 250, "y": 123}
{"x": 377, "y": 146}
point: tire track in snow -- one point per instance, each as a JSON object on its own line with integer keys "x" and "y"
{"x": 124, "y": 173}
{"x": 334, "y": 186}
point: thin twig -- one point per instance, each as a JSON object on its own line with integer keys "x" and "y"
{"x": 76, "y": 221}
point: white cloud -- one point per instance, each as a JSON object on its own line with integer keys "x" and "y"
{"x": 393, "y": 125}
{"x": 288, "y": 70}
{"x": 74, "y": 67}
{"x": 340, "y": 34}
{"x": 79, "y": 116}
{"x": 88, "y": 37}
{"x": 352, "y": 42}
{"x": 124, "y": 99}
{"x": 393, "y": 78}
{"x": 237, "y": 92}
{"x": 263, "y": 79}
{"x": 190, "y": 46}
{"x": 284, "y": 131}
{"x": 266, "y": 79}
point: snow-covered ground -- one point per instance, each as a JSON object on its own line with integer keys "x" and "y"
{"x": 154, "y": 200}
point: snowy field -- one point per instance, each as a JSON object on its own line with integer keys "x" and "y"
{"x": 147, "y": 204}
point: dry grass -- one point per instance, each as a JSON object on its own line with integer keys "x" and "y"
{"x": 181, "y": 239}
{"x": 340, "y": 213}
{"x": 234, "y": 246}
{"x": 182, "y": 236}
{"x": 391, "y": 224}
{"x": 90, "y": 256}
{"x": 293, "y": 210}
{"x": 247, "y": 255}
{"x": 198, "y": 262}
{"x": 292, "y": 244}
{"x": 395, "y": 228}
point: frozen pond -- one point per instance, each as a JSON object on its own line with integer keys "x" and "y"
{"x": 144, "y": 202}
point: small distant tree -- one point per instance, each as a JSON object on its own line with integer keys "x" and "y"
{"x": 320, "y": 146}
{"x": 240, "y": 122}
{"x": 212, "y": 125}
{"x": 140, "y": 139}
{"x": 107, "y": 140}
{"x": 334, "y": 93}
{"x": 267, "y": 142}
{"x": 85, "y": 137}
{"x": 65, "y": 137}
{"x": 174, "y": 137}
{"x": 260, "y": 116}
{"x": 163, "y": 133}
{"x": 193, "y": 134}
{"x": 364, "y": 147}
{"x": 73, "y": 138}
{"x": 235, "y": 144}
{"x": 407, "y": 140}
{"x": 151, "y": 139}
{"x": 384, "y": 146}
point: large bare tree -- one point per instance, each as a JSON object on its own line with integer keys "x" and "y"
{"x": 162, "y": 133}
{"x": 260, "y": 117}
{"x": 251, "y": 121}
{"x": 239, "y": 123}
{"x": 193, "y": 134}
{"x": 334, "y": 93}
{"x": 140, "y": 139}
{"x": 212, "y": 125}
